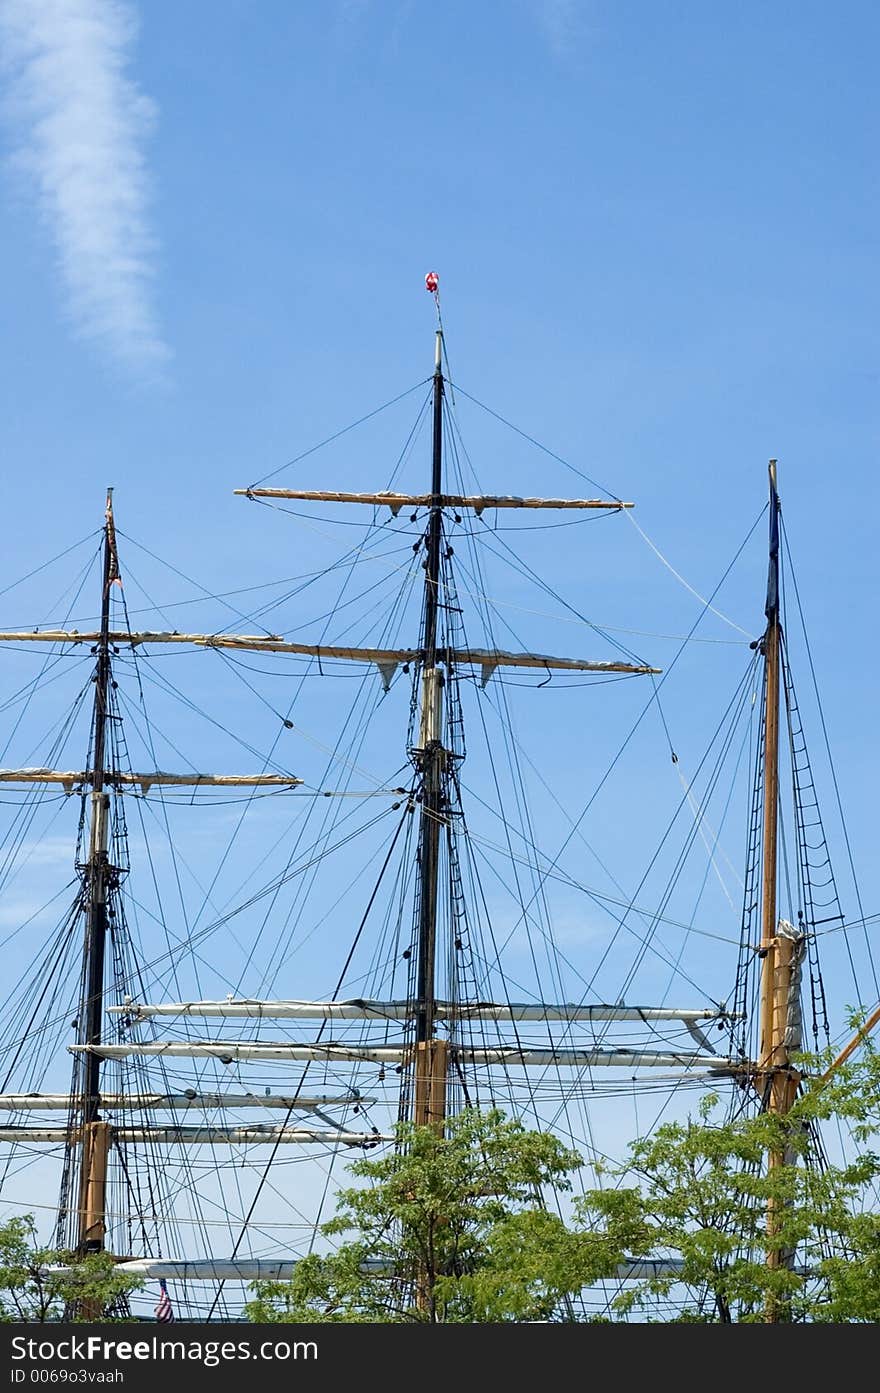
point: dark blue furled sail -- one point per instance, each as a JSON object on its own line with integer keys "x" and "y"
{"x": 771, "y": 609}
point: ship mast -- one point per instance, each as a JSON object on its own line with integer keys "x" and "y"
{"x": 776, "y": 1081}
{"x": 420, "y": 1055}
{"x": 91, "y": 1225}
{"x": 429, "y": 1093}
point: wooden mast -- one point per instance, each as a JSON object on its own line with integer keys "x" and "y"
{"x": 95, "y": 1135}
{"x": 430, "y": 1062}
{"x": 777, "y": 1082}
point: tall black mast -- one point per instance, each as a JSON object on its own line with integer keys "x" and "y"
{"x": 95, "y": 1134}
{"x": 432, "y": 751}
{"x": 432, "y": 756}
{"x": 435, "y": 525}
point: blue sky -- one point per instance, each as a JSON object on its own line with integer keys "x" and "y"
{"x": 655, "y": 226}
{"x": 656, "y": 231}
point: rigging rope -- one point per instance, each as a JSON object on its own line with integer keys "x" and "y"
{"x": 344, "y": 431}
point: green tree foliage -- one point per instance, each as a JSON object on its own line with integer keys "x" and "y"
{"x": 850, "y": 1092}
{"x": 850, "y": 1095}
{"x": 448, "y": 1228}
{"x": 701, "y": 1197}
{"x": 42, "y": 1284}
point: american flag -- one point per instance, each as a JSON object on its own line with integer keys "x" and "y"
{"x": 163, "y": 1309}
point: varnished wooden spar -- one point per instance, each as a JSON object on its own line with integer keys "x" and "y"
{"x": 486, "y": 658}
{"x": 776, "y": 1079}
{"x": 857, "y": 1039}
{"x": 397, "y": 501}
{"x": 70, "y": 778}
{"x": 96, "y": 1138}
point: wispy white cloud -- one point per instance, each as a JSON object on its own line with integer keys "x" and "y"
{"x": 79, "y": 125}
